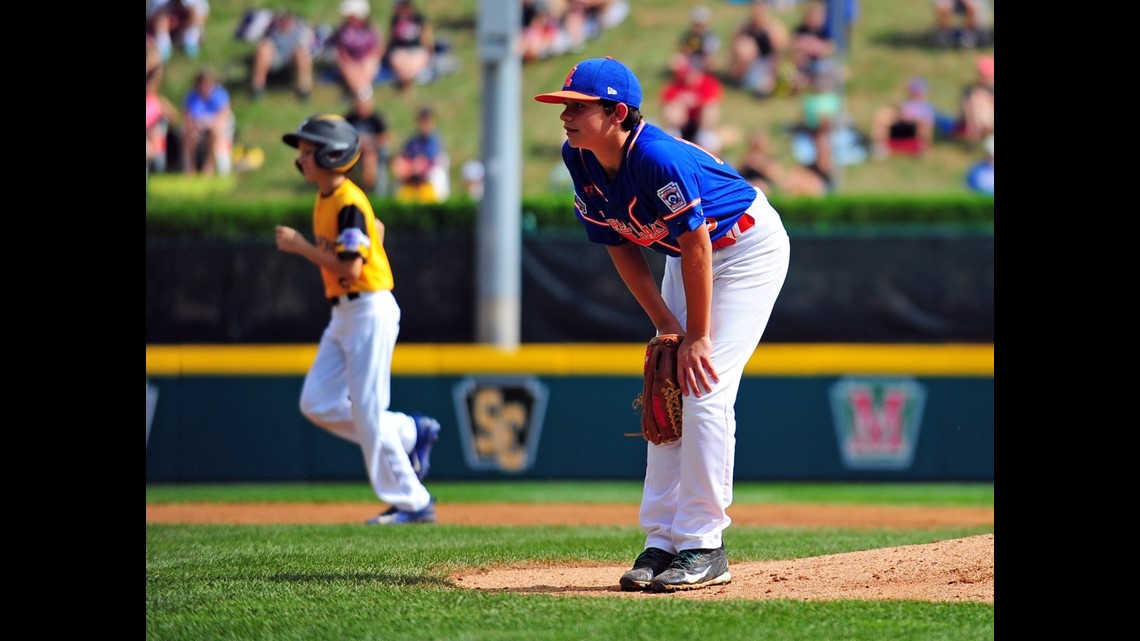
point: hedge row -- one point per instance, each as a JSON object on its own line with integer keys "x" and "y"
{"x": 221, "y": 219}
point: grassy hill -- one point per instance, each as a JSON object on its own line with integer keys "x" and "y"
{"x": 890, "y": 43}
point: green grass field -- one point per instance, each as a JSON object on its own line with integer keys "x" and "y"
{"x": 348, "y": 582}
{"x": 889, "y": 44}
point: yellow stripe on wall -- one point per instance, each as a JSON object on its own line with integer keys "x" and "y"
{"x": 574, "y": 359}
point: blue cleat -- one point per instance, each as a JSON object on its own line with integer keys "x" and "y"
{"x": 395, "y": 516}
{"x": 427, "y": 433}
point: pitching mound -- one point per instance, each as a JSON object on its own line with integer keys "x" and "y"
{"x": 954, "y": 570}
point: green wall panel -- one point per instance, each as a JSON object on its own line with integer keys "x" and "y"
{"x": 249, "y": 428}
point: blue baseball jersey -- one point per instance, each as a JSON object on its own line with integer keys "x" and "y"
{"x": 666, "y": 186}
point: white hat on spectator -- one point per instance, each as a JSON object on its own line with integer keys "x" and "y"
{"x": 701, "y": 15}
{"x": 356, "y": 8}
{"x": 473, "y": 170}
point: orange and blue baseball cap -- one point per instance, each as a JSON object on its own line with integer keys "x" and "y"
{"x": 597, "y": 79}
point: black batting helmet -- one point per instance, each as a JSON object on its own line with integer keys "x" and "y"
{"x": 339, "y": 144}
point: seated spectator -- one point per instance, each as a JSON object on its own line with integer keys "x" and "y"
{"x": 699, "y": 39}
{"x": 822, "y": 141}
{"x": 823, "y": 120}
{"x": 555, "y": 27}
{"x": 287, "y": 44}
{"x": 154, "y": 62}
{"x": 980, "y": 176}
{"x": 207, "y": 127}
{"x": 756, "y": 49}
{"x": 603, "y": 15}
{"x": 821, "y": 105}
{"x": 542, "y": 34}
{"x": 906, "y": 127}
{"x": 690, "y": 102}
{"x": 814, "y": 171}
{"x": 421, "y": 167}
{"x": 155, "y": 134}
{"x": 811, "y": 43}
{"x": 572, "y": 17}
{"x": 410, "y": 45}
{"x": 159, "y": 111}
{"x": 976, "y": 107}
{"x": 960, "y": 22}
{"x": 473, "y": 174}
{"x": 759, "y": 166}
{"x": 180, "y": 22}
{"x": 358, "y": 48}
{"x": 371, "y": 171}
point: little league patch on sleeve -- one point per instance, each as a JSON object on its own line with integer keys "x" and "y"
{"x": 672, "y": 197}
{"x": 580, "y": 205}
{"x": 354, "y": 240}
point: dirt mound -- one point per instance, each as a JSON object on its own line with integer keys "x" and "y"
{"x": 953, "y": 570}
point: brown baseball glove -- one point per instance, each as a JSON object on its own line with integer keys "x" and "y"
{"x": 660, "y": 398}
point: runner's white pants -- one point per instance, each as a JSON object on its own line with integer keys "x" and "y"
{"x": 347, "y": 391}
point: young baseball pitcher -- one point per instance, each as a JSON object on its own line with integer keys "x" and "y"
{"x": 348, "y": 388}
{"x": 636, "y": 188}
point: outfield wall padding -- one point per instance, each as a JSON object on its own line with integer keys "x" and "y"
{"x": 249, "y": 428}
{"x": 864, "y": 287}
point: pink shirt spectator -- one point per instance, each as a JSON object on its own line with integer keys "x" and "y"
{"x": 357, "y": 41}
{"x": 153, "y": 110}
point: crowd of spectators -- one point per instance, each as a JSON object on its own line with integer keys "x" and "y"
{"x": 362, "y": 52}
{"x": 557, "y": 27}
{"x": 199, "y": 136}
{"x": 778, "y": 50}
{"x": 789, "y": 49}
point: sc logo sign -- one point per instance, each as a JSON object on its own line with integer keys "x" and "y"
{"x": 500, "y": 421}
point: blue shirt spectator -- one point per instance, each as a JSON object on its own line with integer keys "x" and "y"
{"x": 980, "y": 176}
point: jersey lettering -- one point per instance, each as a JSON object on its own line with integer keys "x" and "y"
{"x": 660, "y": 190}
{"x": 642, "y": 235}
